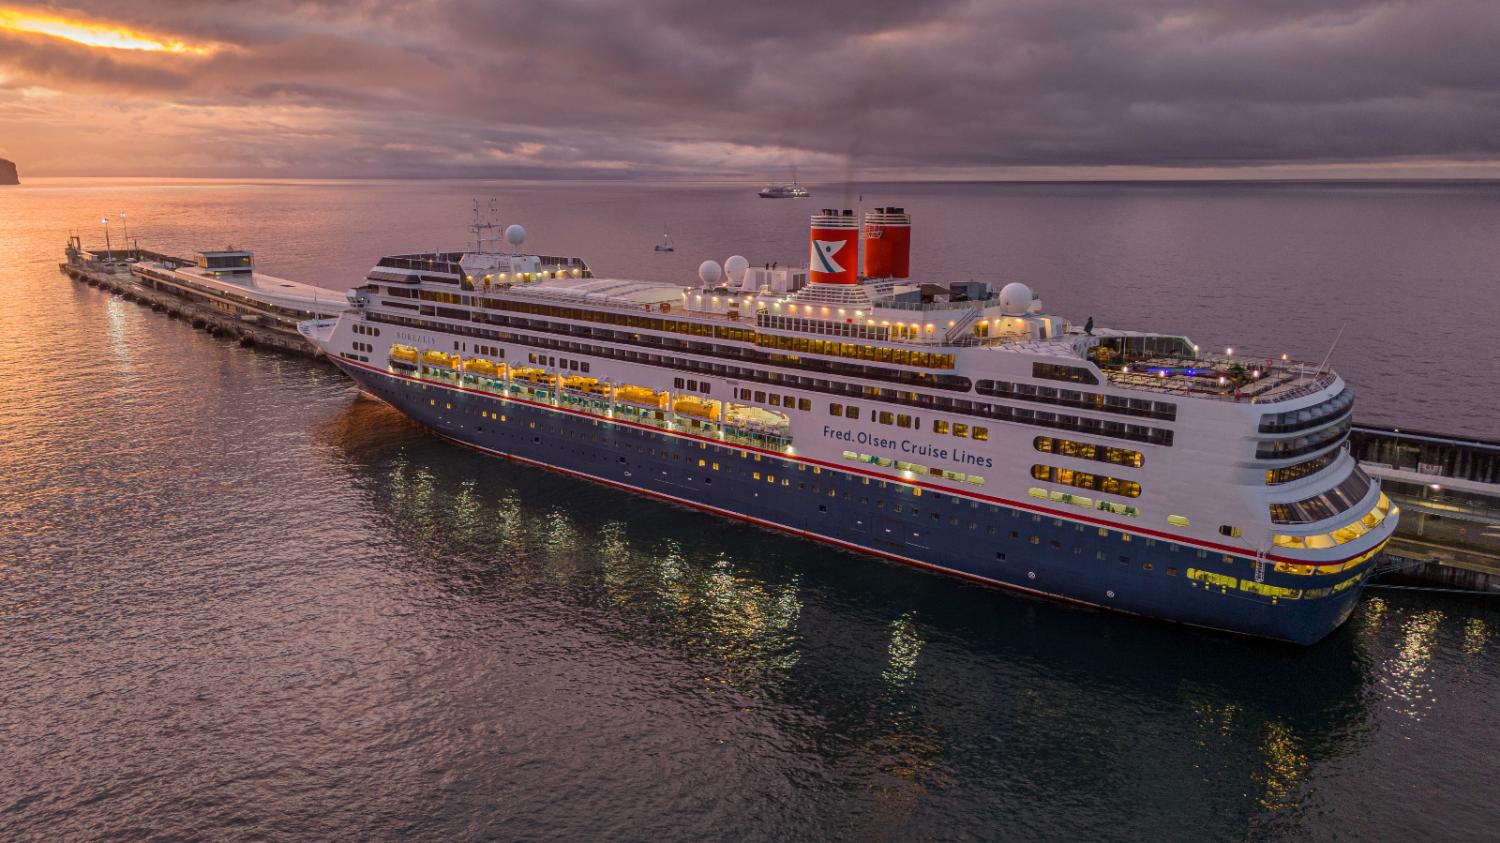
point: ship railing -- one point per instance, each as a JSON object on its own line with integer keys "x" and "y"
{"x": 1278, "y": 381}
{"x": 968, "y": 304}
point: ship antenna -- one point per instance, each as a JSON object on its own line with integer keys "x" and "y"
{"x": 1329, "y": 355}
{"x": 479, "y": 227}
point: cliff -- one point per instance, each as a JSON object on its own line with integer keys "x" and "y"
{"x": 8, "y": 172}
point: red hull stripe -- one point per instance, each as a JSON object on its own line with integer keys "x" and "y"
{"x": 1023, "y": 505}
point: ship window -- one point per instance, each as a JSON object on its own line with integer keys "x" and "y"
{"x": 761, "y": 397}
{"x": 802, "y": 403}
{"x": 775, "y": 400}
{"x": 1227, "y": 530}
{"x": 903, "y": 421}
{"x": 1277, "y": 476}
{"x": 960, "y": 429}
{"x": 939, "y": 427}
{"x": 982, "y": 433}
{"x": 1177, "y": 520}
{"x": 884, "y": 417}
{"x": 836, "y": 410}
{"x": 851, "y": 412}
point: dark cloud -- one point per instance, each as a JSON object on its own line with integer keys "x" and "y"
{"x": 626, "y": 87}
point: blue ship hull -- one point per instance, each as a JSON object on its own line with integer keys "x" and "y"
{"x": 1001, "y": 545}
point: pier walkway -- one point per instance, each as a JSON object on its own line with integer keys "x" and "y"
{"x": 111, "y": 270}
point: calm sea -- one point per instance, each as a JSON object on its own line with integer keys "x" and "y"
{"x": 237, "y": 601}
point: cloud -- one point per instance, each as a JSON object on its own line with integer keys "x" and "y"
{"x": 631, "y": 87}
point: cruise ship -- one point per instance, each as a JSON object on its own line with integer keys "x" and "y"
{"x": 958, "y": 428}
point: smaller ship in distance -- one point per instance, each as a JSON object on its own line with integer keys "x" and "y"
{"x": 785, "y": 191}
{"x": 666, "y": 242}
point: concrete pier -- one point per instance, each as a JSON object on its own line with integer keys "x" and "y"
{"x": 116, "y": 278}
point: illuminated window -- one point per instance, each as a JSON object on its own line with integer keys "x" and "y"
{"x": 982, "y": 433}
{"x": 939, "y": 427}
{"x": 1087, "y": 451}
{"x": 960, "y": 429}
{"x": 1227, "y": 530}
{"x": 1177, "y": 520}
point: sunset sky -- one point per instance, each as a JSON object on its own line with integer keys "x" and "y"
{"x": 633, "y": 88}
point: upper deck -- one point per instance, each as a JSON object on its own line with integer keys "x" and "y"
{"x": 803, "y": 316}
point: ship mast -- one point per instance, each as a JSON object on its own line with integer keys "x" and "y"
{"x": 481, "y": 225}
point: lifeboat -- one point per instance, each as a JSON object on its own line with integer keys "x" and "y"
{"x": 694, "y": 407}
{"x": 640, "y": 395}
{"x": 580, "y": 383}
{"x": 404, "y": 354}
{"x": 538, "y": 376}
{"x": 437, "y": 358}
{"x": 480, "y": 366}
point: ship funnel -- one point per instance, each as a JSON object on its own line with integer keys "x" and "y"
{"x": 835, "y": 248}
{"x": 887, "y": 242}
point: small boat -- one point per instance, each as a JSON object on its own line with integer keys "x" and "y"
{"x": 666, "y": 242}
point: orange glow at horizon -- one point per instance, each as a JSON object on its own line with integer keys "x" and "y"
{"x": 89, "y": 33}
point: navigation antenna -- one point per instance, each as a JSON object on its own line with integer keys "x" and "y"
{"x": 1329, "y": 355}
{"x": 483, "y": 224}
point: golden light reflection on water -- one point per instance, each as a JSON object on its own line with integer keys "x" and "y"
{"x": 1285, "y": 768}
{"x": 905, "y": 647}
{"x": 748, "y": 623}
{"x": 1476, "y": 634}
{"x": 1406, "y": 671}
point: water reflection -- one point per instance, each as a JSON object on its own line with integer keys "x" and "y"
{"x": 1476, "y": 635}
{"x": 1404, "y": 673}
{"x": 931, "y": 686}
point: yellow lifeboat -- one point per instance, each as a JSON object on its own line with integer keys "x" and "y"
{"x": 404, "y": 353}
{"x": 532, "y": 375}
{"x": 694, "y": 407}
{"x": 640, "y": 395}
{"x": 437, "y": 358}
{"x": 479, "y": 366}
{"x": 580, "y": 383}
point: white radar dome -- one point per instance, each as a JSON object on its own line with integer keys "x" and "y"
{"x": 1015, "y": 299}
{"x": 710, "y": 273}
{"x": 515, "y": 235}
{"x": 735, "y": 268}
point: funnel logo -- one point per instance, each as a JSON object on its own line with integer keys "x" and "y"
{"x": 823, "y": 252}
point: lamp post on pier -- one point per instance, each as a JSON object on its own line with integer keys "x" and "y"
{"x": 108, "y": 249}
{"x": 126, "y": 227}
